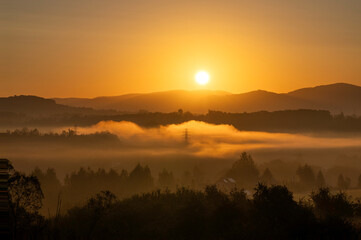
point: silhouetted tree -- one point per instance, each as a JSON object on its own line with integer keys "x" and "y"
{"x": 198, "y": 177}
{"x": 187, "y": 179}
{"x": 334, "y": 212}
{"x": 267, "y": 177}
{"x": 68, "y": 133}
{"x": 83, "y": 220}
{"x": 26, "y": 197}
{"x": 328, "y": 205}
{"x": 320, "y": 180}
{"x": 343, "y": 183}
{"x": 211, "y": 214}
{"x": 276, "y": 215}
{"x": 244, "y": 171}
{"x": 51, "y": 188}
{"x": 359, "y": 181}
{"x": 141, "y": 179}
{"x": 166, "y": 179}
{"x": 306, "y": 176}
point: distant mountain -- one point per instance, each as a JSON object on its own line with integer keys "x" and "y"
{"x": 194, "y": 101}
{"x": 35, "y": 106}
{"x": 339, "y": 97}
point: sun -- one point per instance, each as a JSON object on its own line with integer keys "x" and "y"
{"x": 202, "y": 77}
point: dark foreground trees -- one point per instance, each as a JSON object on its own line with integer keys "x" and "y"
{"x": 271, "y": 213}
{"x": 25, "y": 197}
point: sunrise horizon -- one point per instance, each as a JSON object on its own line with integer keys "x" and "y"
{"x": 196, "y": 89}
{"x": 192, "y": 119}
{"x": 123, "y": 47}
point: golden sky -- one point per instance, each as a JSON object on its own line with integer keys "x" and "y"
{"x": 88, "y": 48}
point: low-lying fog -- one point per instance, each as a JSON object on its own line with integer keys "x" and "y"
{"x": 178, "y": 147}
{"x": 214, "y": 140}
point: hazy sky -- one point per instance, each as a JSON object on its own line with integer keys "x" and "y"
{"x": 89, "y": 48}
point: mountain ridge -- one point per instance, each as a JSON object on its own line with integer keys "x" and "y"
{"x": 336, "y": 98}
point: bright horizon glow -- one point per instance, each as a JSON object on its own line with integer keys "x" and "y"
{"x": 125, "y": 47}
{"x": 202, "y": 77}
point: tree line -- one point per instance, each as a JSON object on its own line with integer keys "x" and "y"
{"x": 79, "y": 185}
{"x": 270, "y": 213}
{"x": 286, "y": 120}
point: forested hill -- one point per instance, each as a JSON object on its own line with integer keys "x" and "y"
{"x": 277, "y": 121}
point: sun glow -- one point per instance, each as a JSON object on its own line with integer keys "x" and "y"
{"x": 202, "y": 77}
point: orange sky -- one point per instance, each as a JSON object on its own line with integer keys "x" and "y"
{"x": 87, "y": 48}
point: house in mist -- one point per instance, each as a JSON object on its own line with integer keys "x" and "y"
{"x": 226, "y": 184}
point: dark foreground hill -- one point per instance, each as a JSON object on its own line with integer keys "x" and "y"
{"x": 336, "y": 98}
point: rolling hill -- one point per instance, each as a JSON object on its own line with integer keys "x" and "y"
{"x": 37, "y": 106}
{"x": 336, "y": 98}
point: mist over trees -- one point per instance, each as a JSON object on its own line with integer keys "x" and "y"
{"x": 306, "y": 176}
{"x": 93, "y": 204}
{"x": 286, "y": 120}
{"x": 69, "y": 137}
{"x": 244, "y": 171}
{"x": 271, "y": 213}
{"x": 343, "y": 183}
{"x": 320, "y": 180}
{"x": 267, "y": 177}
{"x": 166, "y": 180}
{"x": 79, "y": 185}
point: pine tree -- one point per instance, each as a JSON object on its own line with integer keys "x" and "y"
{"x": 267, "y": 177}
{"x": 343, "y": 183}
{"x": 166, "y": 179}
{"x": 244, "y": 171}
{"x": 359, "y": 181}
{"x": 320, "y": 179}
{"x": 306, "y": 176}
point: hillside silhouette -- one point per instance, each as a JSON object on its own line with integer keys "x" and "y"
{"x": 31, "y": 111}
{"x": 336, "y": 98}
{"x": 35, "y": 106}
